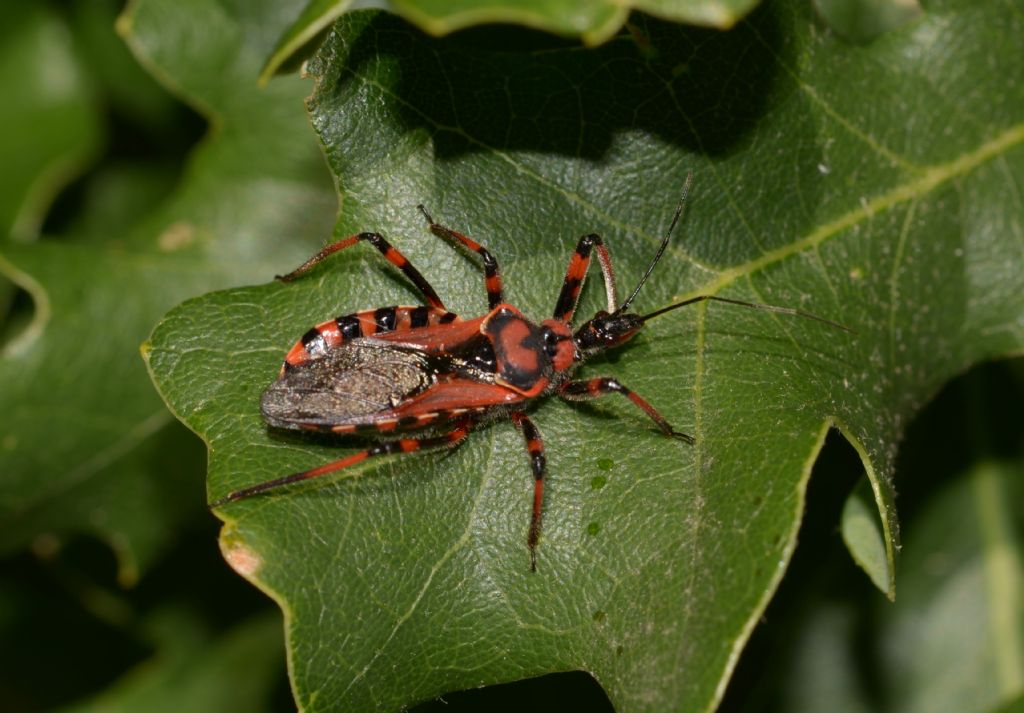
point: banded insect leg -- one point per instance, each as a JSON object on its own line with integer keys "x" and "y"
{"x": 403, "y": 445}
{"x": 576, "y": 272}
{"x": 593, "y": 388}
{"x": 492, "y": 275}
{"x": 535, "y": 448}
{"x": 390, "y": 254}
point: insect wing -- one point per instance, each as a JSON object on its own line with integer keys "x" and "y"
{"x": 439, "y": 339}
{"x": 349, "y": 384}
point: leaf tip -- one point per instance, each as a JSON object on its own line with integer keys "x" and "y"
{"x": 123, "y": 23}
{"x": 868, "y": 525}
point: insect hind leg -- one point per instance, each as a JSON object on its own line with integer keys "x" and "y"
{"x": 492, "y": 275}
{"x": 385, "y": 248}
{"x": 403, "y": 445}
{"x": 538, "y": 463}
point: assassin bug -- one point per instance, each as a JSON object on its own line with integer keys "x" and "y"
{"x": 400, "y": 368}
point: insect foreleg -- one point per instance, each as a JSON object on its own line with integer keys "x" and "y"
{"x": 576, "y": 272}
{"x": 592, "y": 388}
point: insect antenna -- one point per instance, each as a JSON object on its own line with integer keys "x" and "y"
{"x": 701, "y": 298}
{"x": 752, "y": 305}
{"x": 664, "y": 242}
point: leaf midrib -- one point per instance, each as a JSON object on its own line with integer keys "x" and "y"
{"x": 930, "y": 179}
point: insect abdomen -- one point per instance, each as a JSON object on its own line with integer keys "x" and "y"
{"x": 333, "y": 333}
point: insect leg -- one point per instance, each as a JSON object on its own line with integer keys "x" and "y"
{"x": 577, "y": 272}
{"x": 384, "y": 247}
{"x": 404, "y": 445}
{"x": 535, "y": 448}
{"x": 492, "y": 275}
{"x": 592, "y": 388}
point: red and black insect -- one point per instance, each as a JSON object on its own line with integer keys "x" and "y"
{"x": 397, "y": 369}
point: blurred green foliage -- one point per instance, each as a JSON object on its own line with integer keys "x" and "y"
{"x": 145, "y": 166}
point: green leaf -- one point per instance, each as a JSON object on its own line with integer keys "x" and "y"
{"x": 299, "y": 40}
{"x": 84, "y": 431}
{"x": 1014, "y": 706}
{"x": 864, "y": 20}
{"x": 407, "y": 577}
{"x": 49, "y": 127}
{"x": 127, "y": 87}
{"x": 967, "y": 546}
{"x": 197, "y": 672}
{"x": 118, "y": 196}
{"x": 954, "y": 640}
{"x": 864, "y": 535}
{"x": 592, "y": 22}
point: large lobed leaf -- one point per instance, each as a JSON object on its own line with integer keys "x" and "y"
{"x": 878, "y": 186}
{"x": 593, "y": 21}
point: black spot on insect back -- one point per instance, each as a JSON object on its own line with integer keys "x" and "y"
{"x": 474, "y": 358}
{"x": 349, "y": 327}
{"x": 385, "y": 319}
{"x": 418, "y": 317}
